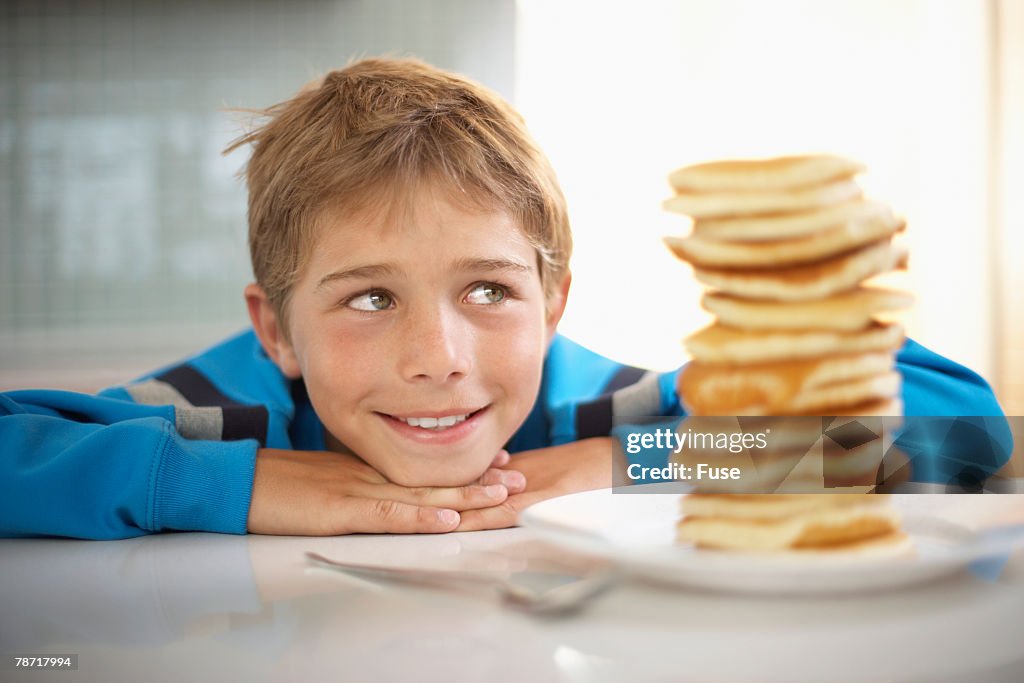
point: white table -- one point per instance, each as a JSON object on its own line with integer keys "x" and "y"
{"x": 196, "y": 607}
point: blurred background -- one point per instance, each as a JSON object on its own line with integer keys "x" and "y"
{"x": 122, "y": 227}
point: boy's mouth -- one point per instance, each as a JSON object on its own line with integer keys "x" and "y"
{"x": 436, "y": 422}
{"x": 428, "y": 424}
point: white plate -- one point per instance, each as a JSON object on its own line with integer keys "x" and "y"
{"x": 637, "y": 531}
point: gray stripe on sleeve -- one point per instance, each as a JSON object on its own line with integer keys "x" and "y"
{"x": 200, "y": 423}
{"x": 153, "y": 392}
{"x": 640, "y": 399}
{"x": 206, "y": 423}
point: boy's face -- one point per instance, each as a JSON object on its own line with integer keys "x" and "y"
{"x": 421, "y": 344}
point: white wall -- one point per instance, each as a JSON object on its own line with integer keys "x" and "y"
{"x": 619, "y": 94}
{"x": 1009, "y": 214}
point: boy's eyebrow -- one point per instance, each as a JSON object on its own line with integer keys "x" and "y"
{"x": 378, "y": 270}
{"x": 483, "y": 264}
{"x": 463, "y": 264}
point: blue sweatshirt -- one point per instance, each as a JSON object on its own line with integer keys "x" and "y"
{"x": 176, "y": 450}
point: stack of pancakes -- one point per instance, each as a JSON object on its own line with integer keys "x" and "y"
{"x": 784, "y": 246}
{"x": 808, "y": 523}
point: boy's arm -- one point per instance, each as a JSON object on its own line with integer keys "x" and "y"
{"x": 954, "y": 431}
{"x": 91, "y": 467}
{"x": 101, "y": 468}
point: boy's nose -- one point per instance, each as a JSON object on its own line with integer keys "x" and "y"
{"x": 437, "y": 347}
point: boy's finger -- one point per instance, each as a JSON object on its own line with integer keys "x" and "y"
{"x": 497, "y": 517}
{"x": 456, "y": 498}
{"x": 501, "y": 459}
{"x": 377, "y": 516}
{"x": 513, "y": 480}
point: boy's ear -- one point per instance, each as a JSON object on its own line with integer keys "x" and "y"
{"x": 556, "y": 305}
{"x": 270, "y": 332}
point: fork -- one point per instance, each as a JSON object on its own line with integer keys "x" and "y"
{"x": 566, "y": 597}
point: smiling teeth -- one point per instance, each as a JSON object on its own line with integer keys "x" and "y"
{"x": 434, "y": 422}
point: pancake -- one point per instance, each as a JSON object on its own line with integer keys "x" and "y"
{"x": 892, "y": 544}
{"x": 789, "y": 225}
{"x": 706, "y": 252}
{"x": 794, "y": 483}
{"x": 778, "y": 388}
{"x": 849, "y": 393}
{"x": 744, "y": 203}
{"x": 807, "y": 282}
{"x": 763, "y": 174}
{"x": 890, "y": 407}
{"x": 768, "y": 506}
{"x": 851, "y": 310}
{"x": 824, "y": 527}
{"x": 718, "y": 344}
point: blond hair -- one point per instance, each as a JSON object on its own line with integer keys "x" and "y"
{"x": 362, "y": 137}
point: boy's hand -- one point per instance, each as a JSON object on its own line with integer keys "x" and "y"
{"x": 510, "y": 478}
{"x": 550, "y": 472}
{"x": 319, "y": 493}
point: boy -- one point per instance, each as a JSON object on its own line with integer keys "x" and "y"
{"x": 410, "y": 245}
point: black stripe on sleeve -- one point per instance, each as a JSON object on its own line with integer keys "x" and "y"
{"x": 245, "y": 422}
{"x": 241, "y": 421}
{"x": 594, "y": 418}
{"x": 195, "y": 387}
{"x": 624, "y": 377}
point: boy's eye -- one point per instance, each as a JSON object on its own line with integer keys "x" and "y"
{"x": 371, "y": 301}
{"x": 486, "y": 293}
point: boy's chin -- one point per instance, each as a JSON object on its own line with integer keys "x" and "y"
{"x": 416, "y": 472}
{"x": 422, "y": 474}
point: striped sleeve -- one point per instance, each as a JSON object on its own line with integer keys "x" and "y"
{"x": 202, "y": 411}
